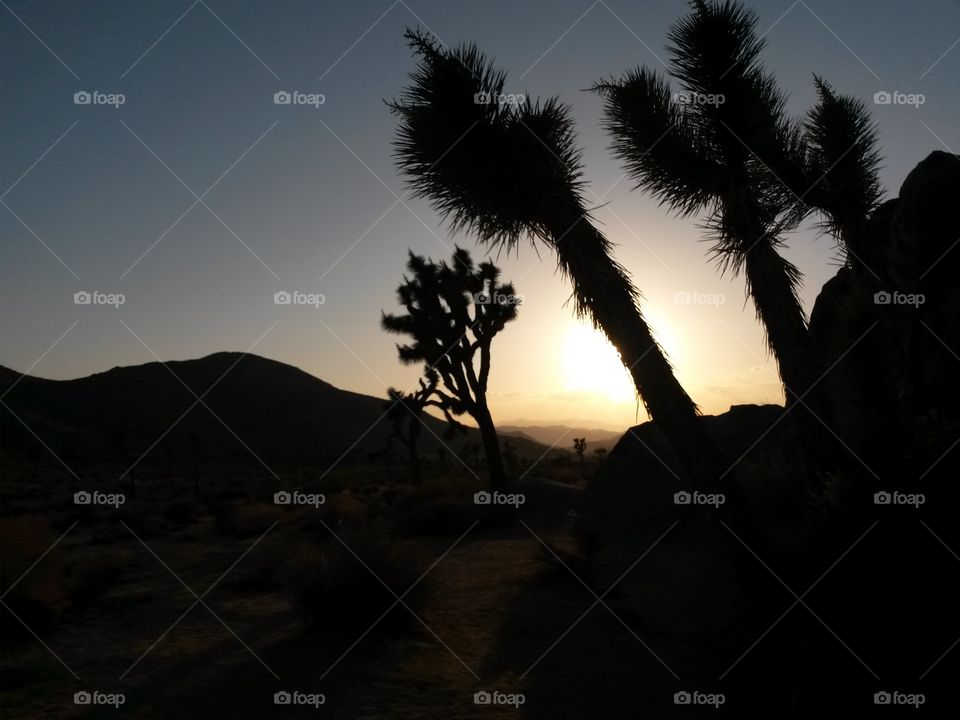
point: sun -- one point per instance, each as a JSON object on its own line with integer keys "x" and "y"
{"x": 591, "y": 364}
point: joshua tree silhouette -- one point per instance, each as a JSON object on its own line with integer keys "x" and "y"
{"x": 452, "y": 314}
{"x": 710, "y": 146}
{"x": 579, "y": 447}
{"x": 839, "y": 179}
{"x": 513, "y": 171}
{"x": 510, "y": 456}
{"x": 724, "y": 143}
{"x": 406, "y": 409}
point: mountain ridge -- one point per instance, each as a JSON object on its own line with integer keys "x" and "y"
{"x": 224, "y": 403}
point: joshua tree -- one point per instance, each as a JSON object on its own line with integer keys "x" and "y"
{"x": 406, "y": 410}
{"x": 510, "y": 455}
{"x": 579, "y": 447}
{"x": 601, "y": 453}
{"x": 710, "y": 146}
{"x": 839, "y": 177}
{"x": 452, "y": 314}
{"x": 512, "y": 170}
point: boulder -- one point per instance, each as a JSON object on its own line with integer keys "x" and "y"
{"x": 690, "y": 581}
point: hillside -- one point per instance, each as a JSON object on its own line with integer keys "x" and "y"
{"x": 251, "y": 406}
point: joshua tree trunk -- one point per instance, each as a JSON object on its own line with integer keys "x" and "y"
{"x": 782, "y": 317}
{"x": 491, "y": 448}
{"x": 602, "y": 289}
{"x": 779, "y": 311}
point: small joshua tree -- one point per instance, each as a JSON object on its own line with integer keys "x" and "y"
{"x": 510, "y": 455}
{"x": 579, "y": 447}
{"x": 453, "y": 312}
{"x": 405, "y": 410}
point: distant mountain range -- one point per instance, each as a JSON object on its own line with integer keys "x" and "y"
{"x": 561, "y": 436}
{"x": 251, "y": 407}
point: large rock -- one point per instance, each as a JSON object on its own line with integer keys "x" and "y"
{"x": 690, "y": 582}
{"x": 892, "y": 367}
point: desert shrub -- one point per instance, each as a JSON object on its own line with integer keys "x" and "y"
{"x": 38, "y": 597}
{"x": 331, "y": 588}
{"x": 145, "y": 518}
{"x": 260, "y": 569}
{"x": 435, "y": 508}
{"x": 92, "y": 576}
{"x": 180, "y": 511}
{"x": 246, "y": 520}
{"x": 345, "y": 508}
{"x": 224, "y": 514}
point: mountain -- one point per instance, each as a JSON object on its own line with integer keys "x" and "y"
{"x": 561, "y": 436}
{"x": 251, "y": 408}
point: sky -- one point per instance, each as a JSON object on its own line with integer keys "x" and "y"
{"x": 185, "y": 188}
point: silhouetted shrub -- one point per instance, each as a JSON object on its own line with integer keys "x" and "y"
{"x": 434, "y": 508}
{"x": 333, "y": 589}
{"x": 93, "y": 576}
{"x": 180, "y": 511}
{"x": 37, "y": 598}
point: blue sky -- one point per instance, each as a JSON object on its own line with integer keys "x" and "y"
{"x": 98, "y": 197}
